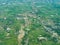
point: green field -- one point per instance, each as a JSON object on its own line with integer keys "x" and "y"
{"x": 29, "y": 22}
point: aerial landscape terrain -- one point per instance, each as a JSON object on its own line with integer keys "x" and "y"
{"x": 29, "y": 22}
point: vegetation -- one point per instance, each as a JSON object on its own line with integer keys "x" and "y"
{"x": 29, "y": 22}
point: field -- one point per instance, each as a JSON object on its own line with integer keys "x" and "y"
{"x": 29, "y": 22}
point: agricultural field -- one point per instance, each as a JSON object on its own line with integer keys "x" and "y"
{"x": 29, "y": 22}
